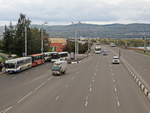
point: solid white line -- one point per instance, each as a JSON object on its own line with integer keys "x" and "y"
{"x": 57, "y": 98}
{"x": 23, "y": 98}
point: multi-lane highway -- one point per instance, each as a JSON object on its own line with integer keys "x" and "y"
{"x": 93, "y": 86}
{"x": 138, "y": 61}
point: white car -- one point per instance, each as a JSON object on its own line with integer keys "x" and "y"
{"x": 116, "y": 60}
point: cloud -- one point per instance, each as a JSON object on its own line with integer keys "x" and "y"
{"x": 62, "y": 11}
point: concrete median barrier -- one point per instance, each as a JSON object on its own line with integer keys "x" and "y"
{"x": 146, "y": 91}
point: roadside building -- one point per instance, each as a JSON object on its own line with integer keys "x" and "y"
{"x": 57, "y": 44}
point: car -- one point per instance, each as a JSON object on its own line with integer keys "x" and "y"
{"x": 113, "y": 45}
{"x": 116, "y": 60}
{"x": 105, "y": 52}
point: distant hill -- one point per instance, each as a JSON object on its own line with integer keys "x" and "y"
{"x": 135, "y": 30}
{"x": 103, "y": 31}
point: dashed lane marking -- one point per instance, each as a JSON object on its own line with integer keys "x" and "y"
{"x": 90, "y": 89}
{"x": 118, "y": 103}
{"x": 93, "y": 80}
{"x": 57, "y": 98}
{"x": 23, "y": 98}
{"x": 114, "y": 80}
{"x": 115, "y": 89}
{"x": 86, "y": 101}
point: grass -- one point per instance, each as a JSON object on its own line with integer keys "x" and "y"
{"x": 142, "y": 52}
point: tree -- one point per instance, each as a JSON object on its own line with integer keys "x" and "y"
{"x": 8, "y": 40}
{"x": 20, "y": 34}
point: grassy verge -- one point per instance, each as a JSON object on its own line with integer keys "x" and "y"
{"x": 142, "y": 52}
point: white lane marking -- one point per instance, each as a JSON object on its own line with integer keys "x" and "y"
{"x": 6, "y": 110}
{"x": 49, "y": 78}
{"x": 57, "y": 98}
{"x": 94, "y": 74}
{"x": 23, "y": 98}
{"x": 115, "y": 89}
{"x": 14, "y": 78}
{"x": 118, "y": 103}
{"x": 93, "y": 80}
{"x": 114, "y": 80}
{"x": 90, "y": 89}
{"x": 86, "y": 101}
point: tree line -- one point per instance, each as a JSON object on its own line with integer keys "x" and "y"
{"x": 14, "y": 38}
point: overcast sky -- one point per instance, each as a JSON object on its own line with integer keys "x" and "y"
{"x": 66, "y": 11}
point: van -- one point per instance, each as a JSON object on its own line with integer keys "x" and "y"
{"x": 59, "y": 67}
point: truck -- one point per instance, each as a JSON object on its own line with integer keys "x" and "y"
{"x": 97, "y": 49}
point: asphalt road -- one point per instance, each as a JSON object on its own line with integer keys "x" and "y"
{"x": 140, "y": 62}
{"x": 92, "y": 86}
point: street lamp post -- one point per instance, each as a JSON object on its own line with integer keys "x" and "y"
{"x": 25, "y": 41}
{"x": 42, "y": 39}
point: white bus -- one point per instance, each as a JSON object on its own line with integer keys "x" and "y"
{"x": 47, "y": 56}
{"x": 64, "y": 55}
{"x": 18, "y": 64}
{"x": 55, "y": 57}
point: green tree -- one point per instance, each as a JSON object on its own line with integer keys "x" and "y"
{"x": 19, "y": 44}
{"x": 8, "y": 40}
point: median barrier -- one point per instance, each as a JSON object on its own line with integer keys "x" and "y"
{"x": 138, "y": 79}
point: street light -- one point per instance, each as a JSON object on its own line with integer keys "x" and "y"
{"x": 42, "y": 41}
{"x": 25, "y": 41}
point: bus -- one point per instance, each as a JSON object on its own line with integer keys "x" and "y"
{"x": 18, "y": 64}
{"x": 47, "y": 56}
{"x": 55, "y": 57}
{"x": 64, "y": 55}
{"x": 37, "y": 59}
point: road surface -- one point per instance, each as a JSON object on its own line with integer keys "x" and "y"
{"x": 138, "y": 61}
{"x": 92, "y": 86}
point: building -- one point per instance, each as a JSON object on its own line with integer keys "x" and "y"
{"x": 57, "y": 44}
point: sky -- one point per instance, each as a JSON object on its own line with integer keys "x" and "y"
{"x": 58, "y": 12}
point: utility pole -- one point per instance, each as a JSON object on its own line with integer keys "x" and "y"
{"x": 145, "y": 44}
{"x": 25, "y": 41}
{"x": 42, "y": 41}
{"x": 75, "y": 45}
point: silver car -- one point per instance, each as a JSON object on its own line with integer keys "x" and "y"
{"x": 116, "y": 60}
